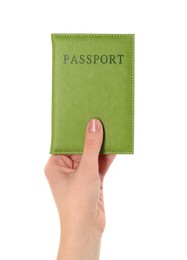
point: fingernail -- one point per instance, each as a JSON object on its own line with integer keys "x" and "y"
{"x": 94, "y": 125}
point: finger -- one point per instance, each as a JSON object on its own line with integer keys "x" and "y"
{"x": 92, "y": 145}
{"x": 105, "y": 161}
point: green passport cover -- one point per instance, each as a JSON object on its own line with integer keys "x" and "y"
{"x": 92, "y": 77}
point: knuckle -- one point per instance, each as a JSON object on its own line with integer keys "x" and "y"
{"x": 90, "y": 144}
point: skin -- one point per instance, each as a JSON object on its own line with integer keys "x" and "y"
{"x": 76, "y": 182}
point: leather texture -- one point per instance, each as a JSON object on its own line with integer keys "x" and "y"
{"x": 98, "y": 84}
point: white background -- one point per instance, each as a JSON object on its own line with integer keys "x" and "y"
{"x": 145, "y": 193}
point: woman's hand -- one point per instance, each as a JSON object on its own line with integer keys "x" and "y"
{"x": 76, "y": 183}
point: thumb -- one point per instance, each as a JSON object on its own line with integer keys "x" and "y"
{"x": 92, "y": 145}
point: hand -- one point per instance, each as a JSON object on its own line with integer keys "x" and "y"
{"x": 76, "y": 183}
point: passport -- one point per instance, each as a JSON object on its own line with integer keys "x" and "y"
{"x": 92, "y": 77}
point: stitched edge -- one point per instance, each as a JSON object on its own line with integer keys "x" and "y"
{"x": 91, "y": 35}
{"x": 67, "y": 152}
{"x": 132, "y": 95}
{"x": 132, "y": 88}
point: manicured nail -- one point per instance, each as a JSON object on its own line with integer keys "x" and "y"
{"x": 94, "y": 125}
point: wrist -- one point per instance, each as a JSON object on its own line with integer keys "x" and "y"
{"x": 84, "y": 245}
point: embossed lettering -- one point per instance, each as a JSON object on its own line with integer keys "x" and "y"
{"x": 89, "y": 60}
{"x": 93, "y": 59}
{"x": 66, "y": 57}
{"x": 82, "y": 59}
{"x": 120, "y": 58}
{"x": 74, "y": 59}
{"x": 112, "y": 59}
{"x": 104, "y": 59}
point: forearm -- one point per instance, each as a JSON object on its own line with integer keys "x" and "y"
{"x": 82, "y": 246}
